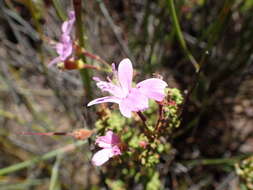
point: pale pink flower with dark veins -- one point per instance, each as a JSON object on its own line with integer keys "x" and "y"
{"x": 130, "y": 99}
{"x": 64, "y": 47}
{"x": 110, "y": 144}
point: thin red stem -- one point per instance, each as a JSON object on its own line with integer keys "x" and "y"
{"x": 145, "y": 130}
{"x": 47, "y": 134}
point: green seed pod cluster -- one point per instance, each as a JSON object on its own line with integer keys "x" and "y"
{"x": 245, "y": 171}
{"x": 172, "y": 106}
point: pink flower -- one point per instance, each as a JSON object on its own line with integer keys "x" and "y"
{"x": 64, "y": 47}
{"x": 130, "y": 99}
{"x": 110, "y": 144}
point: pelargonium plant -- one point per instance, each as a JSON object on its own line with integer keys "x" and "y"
{"x": 139, "y": 143}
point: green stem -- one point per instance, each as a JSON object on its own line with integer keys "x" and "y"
{"x": 46, "y": 156}
{"x": 59, "y": 10}
{"x": 80, "y": 35}
{"x": 55, "y": 174}
{"x": 180, "y": 35}
{"x": 217, "y": 161}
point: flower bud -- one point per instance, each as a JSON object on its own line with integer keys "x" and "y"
{"x": 143, "y": 144}
{"x": 74, "y": 64}
{"x": 81, "y": 134}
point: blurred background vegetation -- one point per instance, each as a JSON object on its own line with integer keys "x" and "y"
{"x": 216, "y": 129}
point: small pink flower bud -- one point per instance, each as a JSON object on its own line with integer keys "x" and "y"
{"x": 143, "y": 144}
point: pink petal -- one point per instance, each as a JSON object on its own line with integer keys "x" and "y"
{"x": 64, "y": 47}
{"x": 111, "y": 99}
{"x": 71, "y": 15}
{"x": 67, "y": 52}
{"x": 111, "y": 88}
{"x": 103, "y": 144}
{"x": 54, "y": 61}
{"x": 153, "y": 88}
{"x": 109, "y": 140}
{"x": 114, "y": 71}
{"x": 59, "y": 48}
{"x": 125, "y": 75}
{"x": 102, "y": 156}
{"x": 68, "y": 24}
{"x": 135, "y": 101}
{"x": 124, "y": 109}
{"x": 65, "y": 39}
{"x": 116, "y": 150}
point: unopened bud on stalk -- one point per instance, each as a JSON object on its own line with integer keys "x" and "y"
{"x": 81, "y": 134}
{"x": 74, "y": 65}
